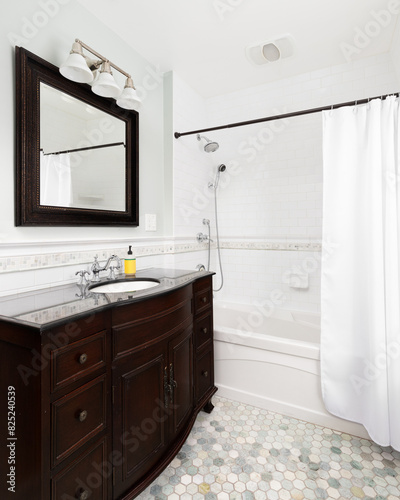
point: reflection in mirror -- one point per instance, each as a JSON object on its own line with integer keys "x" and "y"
{"x": 82, "y": 154}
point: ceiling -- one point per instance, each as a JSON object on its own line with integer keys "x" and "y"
{"x": 204, "y": 41}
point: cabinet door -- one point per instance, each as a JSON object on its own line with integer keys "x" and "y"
{"x": 181, "y": 379}
{"x": 140, "y": 434}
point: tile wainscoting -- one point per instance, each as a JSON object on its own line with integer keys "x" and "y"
{"x": 27, "y": 267}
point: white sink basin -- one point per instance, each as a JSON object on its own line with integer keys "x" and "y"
{"x": 128, "y": 286}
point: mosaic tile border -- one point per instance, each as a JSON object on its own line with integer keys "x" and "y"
{"x": 267, "y": 245}
{"x": 57, "y": 259}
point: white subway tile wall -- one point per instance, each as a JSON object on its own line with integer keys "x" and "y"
{"x": 272, "y": 188}
{"x": 263, "y": 277}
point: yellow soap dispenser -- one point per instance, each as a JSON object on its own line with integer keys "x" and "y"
{"x": 130, "y": 262}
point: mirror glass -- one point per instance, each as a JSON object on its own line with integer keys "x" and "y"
{"x": 82, "y": 154}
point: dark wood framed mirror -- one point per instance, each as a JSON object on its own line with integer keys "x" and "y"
{"x": 77, "y": 154}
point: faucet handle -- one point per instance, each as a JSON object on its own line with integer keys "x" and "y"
{"x": 95, "y": 267}
{"x": 82, "y": 280}
{"x": 111, "y": 275}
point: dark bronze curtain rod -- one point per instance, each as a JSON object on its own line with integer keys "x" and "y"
{"x": 286, "y": 115}
{"x": 86, "y": 149}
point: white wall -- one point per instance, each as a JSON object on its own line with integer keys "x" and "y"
{"x": 395, "y": 52}
{"x": 193, "y": 168}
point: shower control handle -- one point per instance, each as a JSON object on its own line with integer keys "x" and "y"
{"x": 202, "y": 237}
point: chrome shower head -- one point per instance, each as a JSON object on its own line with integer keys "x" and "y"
{"x": 210, "y": 146}
{"x": 222, "y": 168}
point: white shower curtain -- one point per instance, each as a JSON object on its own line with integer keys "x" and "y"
{"x": 360, "y": 339}
{"x": 55, "y": 180}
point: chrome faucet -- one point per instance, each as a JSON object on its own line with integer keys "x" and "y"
{"x": 96, "y": 268}
{"x": 201, "y": 237}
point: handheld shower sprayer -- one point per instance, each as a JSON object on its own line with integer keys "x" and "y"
{"x": 214, "y": 184}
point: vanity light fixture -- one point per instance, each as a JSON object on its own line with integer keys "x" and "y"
{"x": 79, "y": 68}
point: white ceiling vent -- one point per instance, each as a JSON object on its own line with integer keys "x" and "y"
{"x": 271, "y": 50}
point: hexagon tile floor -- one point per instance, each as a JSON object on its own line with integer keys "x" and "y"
{"x": 243, "y": 452}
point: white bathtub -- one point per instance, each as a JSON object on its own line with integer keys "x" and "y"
{"x": 272, "y": 362}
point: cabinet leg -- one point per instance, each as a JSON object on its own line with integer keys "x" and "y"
{"x": 208, "y": 407}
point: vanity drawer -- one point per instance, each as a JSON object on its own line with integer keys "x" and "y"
{"x": 76, "y": 360}
{"x": 204, "y": 373}
{"x": 72, "y": 482}
{"x": 150, "y": 308}
{"x": 132, "y": 335}
{"x": 78, "y": 417}
{"x": 203, "y": 330}
{"x": 202, "y": 297}
{"x": 80, "y": 329}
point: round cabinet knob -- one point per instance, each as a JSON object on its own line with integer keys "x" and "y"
{"x": 83, "y": 415}
{"x": 204, "y": 330}
{"x": 83, "y": 358}
{"x": 205, "y": 374}
{"x": 204, "y": 300}
{"x": 83, "y": 495}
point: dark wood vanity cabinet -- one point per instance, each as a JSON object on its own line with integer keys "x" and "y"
{"x": 103, "y": 404}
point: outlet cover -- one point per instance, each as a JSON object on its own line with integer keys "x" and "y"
{"x": 150, "y": 222}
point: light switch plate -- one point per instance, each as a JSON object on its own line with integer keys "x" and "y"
{"x": 150, "y": 222}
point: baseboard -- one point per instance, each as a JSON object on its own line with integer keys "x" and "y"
{"x": 298, "y": 412}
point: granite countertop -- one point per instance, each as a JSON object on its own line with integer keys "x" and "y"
{"x": 49, "y": 307}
